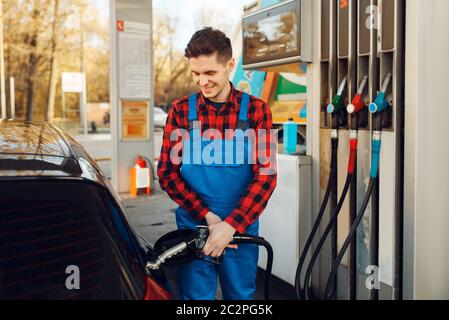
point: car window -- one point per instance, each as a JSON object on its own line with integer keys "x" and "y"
{"x": 65, "y": 240}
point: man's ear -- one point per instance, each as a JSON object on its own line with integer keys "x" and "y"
{"x": 231, "y": 64}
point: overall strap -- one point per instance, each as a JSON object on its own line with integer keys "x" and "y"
{"x": 243, "y": 123}
{"x": 192, "y": 116}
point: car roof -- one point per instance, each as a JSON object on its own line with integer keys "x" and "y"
{"x": 42, "y": 149}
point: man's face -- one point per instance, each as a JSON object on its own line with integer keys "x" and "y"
{"x": 210, "y": 75}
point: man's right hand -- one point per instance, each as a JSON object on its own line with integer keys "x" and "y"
{"x": 211, "y": 219}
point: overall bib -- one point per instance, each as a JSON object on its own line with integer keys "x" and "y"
{"x": 220, "y": 183}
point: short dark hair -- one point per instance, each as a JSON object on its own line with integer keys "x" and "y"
{"x": 208, "y": 41}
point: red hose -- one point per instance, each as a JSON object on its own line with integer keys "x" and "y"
{"x": 352, "y": 155}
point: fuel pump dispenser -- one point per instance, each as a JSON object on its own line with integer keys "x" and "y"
{"x": 334, "y": 109}
{"x": 356, "y": 106}
{"x": 376, "y": 108}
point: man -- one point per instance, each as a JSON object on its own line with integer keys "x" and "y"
{"x": 228, "y": 197}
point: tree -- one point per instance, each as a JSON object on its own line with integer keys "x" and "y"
{"x": 32, "y": 39}
{"x": 171, "y": 69}
{"x": 42, "y": 38}
{"x": 53, "y": 65}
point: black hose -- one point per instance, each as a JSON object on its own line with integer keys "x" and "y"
{"x": 330, "y": 225}
{"x": 352, "y": 265}
{"x": 151, "y": 167}
{"x": 329, "y": 288}
{"x": 333, "y": 175}
{"x": 374, "y": 234}
{"x": 244, "y": 238}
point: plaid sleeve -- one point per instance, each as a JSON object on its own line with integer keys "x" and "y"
{"x": 169, "y": 164}
{"x": 259, "y": 191}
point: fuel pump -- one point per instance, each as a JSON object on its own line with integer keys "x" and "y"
{"x": 376, "y": 108}
{"x": 356, "y": 106}
{"x": 333, "y": 108}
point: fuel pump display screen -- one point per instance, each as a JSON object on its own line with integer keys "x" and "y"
{"x": 272, "y": 34}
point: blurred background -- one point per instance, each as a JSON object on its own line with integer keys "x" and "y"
{"x": 45, "y": 38}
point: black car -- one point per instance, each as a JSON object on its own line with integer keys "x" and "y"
{"x": 63, "y": 232}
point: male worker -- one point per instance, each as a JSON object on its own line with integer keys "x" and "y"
{"x": 228, "y": 197}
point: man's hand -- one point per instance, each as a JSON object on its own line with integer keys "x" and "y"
{"x": 211, "y": 219}
{"x": 220, "y": 234}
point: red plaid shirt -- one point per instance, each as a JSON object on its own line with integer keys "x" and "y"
{"x": 259, "y": 191}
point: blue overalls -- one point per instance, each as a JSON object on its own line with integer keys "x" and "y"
{"x": 220, "y": 184}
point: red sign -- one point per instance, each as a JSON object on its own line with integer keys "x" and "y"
{"x": 343, "y": 4}
{"x": 120, "y": 25}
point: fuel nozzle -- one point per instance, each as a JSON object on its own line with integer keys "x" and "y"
{"x": 201, "y": 238}
{"x": 180, "y": 247}
{"x": 357, "y": 103}
{"x": 381, "y": 103}
{"x": 199, "y": 243}
{"x": 337, "y": 102}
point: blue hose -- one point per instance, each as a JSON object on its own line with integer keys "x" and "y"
{"x": 375, "y": 155}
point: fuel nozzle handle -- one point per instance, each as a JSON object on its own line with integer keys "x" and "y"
{"x": 195, "y": 243}
{"x": 381, "y": 103}
{"x": 237, "y": 238}
{"x": 200, "y": 241}
{"x": 337, "y": 102}
{"x": 357, "y": 103}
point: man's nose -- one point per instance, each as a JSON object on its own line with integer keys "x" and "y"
{"x": 203, "y": 81}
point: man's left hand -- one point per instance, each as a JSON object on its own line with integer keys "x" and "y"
{"x": 220, "y": 235}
